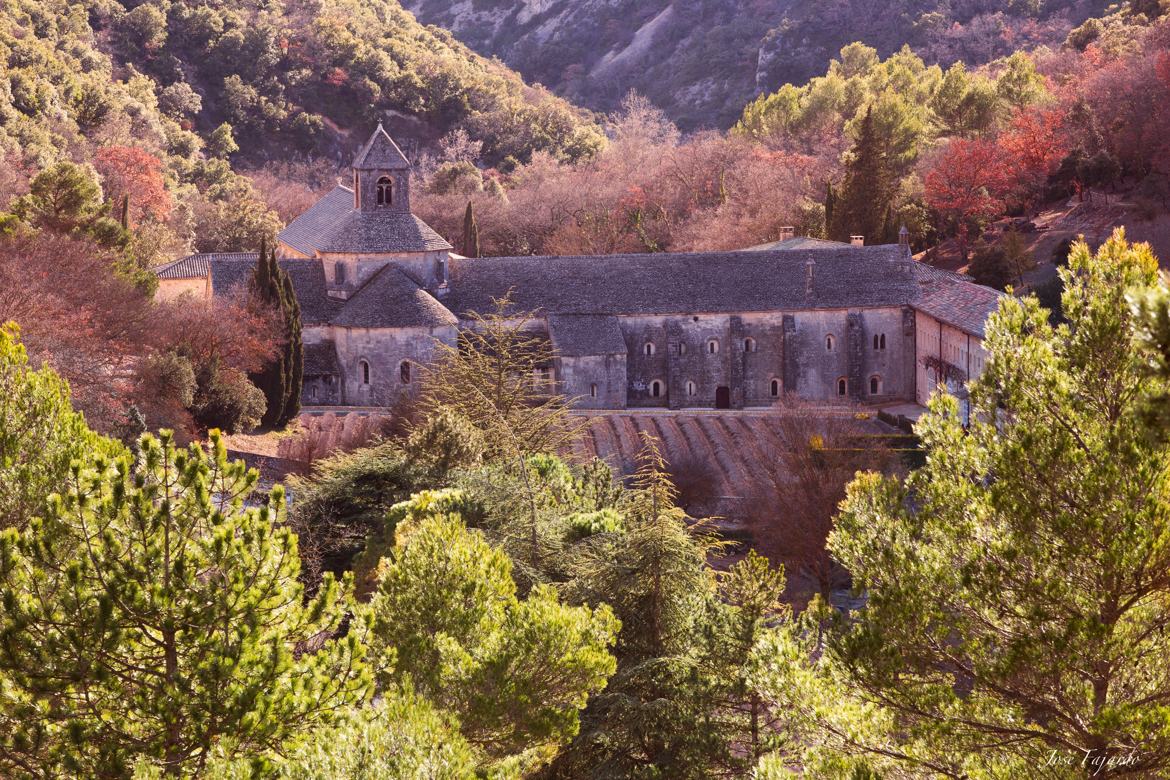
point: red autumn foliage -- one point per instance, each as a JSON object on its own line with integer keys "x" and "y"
{"x": 133, "y": 172}
{"x": 1032, "y": 147}
{"x": 78, "y": 317}
{"x": 969, "y": 183}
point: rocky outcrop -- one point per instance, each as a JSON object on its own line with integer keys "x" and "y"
{"x": 702, "y": 60}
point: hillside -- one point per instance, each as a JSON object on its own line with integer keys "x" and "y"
{"x": 702, "y": 60}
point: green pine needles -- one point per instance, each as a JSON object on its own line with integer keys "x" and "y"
{"x": 155, "y": 615}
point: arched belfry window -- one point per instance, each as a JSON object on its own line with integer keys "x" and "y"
{"x": 749, "y": 345}
{"x": 829, "y": 343}
{"x": 385, "y": 191}
{"x": 842, "y": 386}
{"x": 656, "y": 389}
{"x": 775, "y": 388}
{"x": 649, "y": 348}
{"x": 364, "y": 368}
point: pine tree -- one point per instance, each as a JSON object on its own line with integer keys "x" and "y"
{"x": 281, "y": 379}
{"x": 447, "y": 619}
{"x": 40, "y": 434}
{"x": 470, "y": 233}
{"x": 151, "y": 617}
{"x": 1018, "y": 583}
{"x": 868, "y": 189}
{"x": 655, "y": 717}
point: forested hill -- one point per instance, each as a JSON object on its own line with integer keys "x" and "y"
{"x": 289, "y": 79}
{"x": 702, "y": 60}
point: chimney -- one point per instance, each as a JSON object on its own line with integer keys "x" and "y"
{"x": 809, "y": 266}
{"x": 787, "y": 232}
{"x": 904, "y": 236}
{"x": 857, "y": 240}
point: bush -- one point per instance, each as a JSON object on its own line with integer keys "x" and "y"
{"x": 230, "y": 402}
{"x": 990, "y": 267}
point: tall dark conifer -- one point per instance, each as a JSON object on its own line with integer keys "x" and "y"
{"x": 280, "y": 380}
{"x": 470, "y": 233}
{"x": 868, "y": 189}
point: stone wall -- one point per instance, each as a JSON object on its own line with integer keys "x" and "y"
{"x": 384, "y": 350}
{"x": 198, "y": 287}
{"x": 427, "y": 269}
{"x": 938, "y": 341}
{"x": 366, "y": 189}
{"x": 593, "y": 381}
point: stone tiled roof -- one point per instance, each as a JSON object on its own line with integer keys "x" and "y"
{"x": 308, "y": 278}
{"x": 197, "y": 266}
{"x": 306, "y": 232}
{"x": 797, "y": 242}
{"x": 380, "y": 153}
{"x": 586, "y": 334}
{"x": 954, "y": 299}
{"x": 843, "y": 277}
{"x": 320, "y": 359}
{"x": 378, "y": 232}
{"x": 391, "y": 299}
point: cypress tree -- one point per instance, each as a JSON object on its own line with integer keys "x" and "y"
{"x": 470, "y": 233}
{"x": 830, "y": 207}
{"x": 868, "y": 188}
{"x": 281, "y": 379}
{"x": 125, "y": 216}
{"x": 294, "y": 349}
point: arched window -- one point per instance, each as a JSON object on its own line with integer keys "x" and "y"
{"x": 385, "y": 191}
{"x": 691, "y": 389}
{"x": 712, "y": 346}
{"x": 649, "y": 348}
{"x": 829, "y": 342}
{"x": 593, "y": 391}
{"x": 364, "y": 368}
{"x": 775, "y": 388}
{"x": 404, "y": 371}
{"x": 842, "y": 386}
{"x": 879, "y": 341}
{"x": 749, "y": 345}
{"x": 656, "y": 389}
{"x": 875, "y": 385}
{"x": 883, "y": 342}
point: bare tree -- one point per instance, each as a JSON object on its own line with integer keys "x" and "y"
{"x": 792, "y": 507}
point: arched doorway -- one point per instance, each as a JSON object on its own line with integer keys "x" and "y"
{"x": 722, "y": 397}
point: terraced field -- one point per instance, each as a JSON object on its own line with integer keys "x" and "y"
{"x": 736, "y": 446}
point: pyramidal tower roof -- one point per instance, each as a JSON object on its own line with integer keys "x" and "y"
{"x": 380, "y": 153}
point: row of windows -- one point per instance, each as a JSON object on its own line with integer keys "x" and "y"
{"x": 875, "y": 385}
{"x": 403, "y": 371}
{"x": 749, "y": 345}
{"x": 658, "y": 389}
{"x": 879, "y": 342}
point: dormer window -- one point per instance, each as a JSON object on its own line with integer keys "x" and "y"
{"x": 385, "y": 191}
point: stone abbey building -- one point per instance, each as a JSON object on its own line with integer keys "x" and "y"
{"x": 821, "y": 320}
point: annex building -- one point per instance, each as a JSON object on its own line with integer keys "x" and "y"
{"x": 821, "y": 320}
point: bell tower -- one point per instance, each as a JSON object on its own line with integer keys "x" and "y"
{"x": 381, "y": 175}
